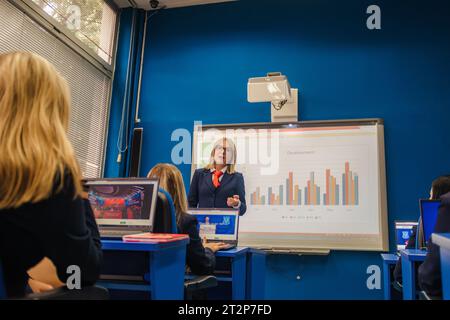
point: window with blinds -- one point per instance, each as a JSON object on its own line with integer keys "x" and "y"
{"x": 90, "y": 87}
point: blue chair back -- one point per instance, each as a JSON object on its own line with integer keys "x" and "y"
{"x": 172, "y": 210}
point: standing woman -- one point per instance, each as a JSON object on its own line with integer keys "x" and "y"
{"x": 42, "y": 214}
{"x": 218, "y": 185}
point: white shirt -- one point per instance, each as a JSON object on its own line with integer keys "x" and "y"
{"x": 224, "y": 169}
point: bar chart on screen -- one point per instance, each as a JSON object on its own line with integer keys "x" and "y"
{"x": 291, "y": 194}
{"x": 312, "y": 193}
{"x": 324, "y": 182}
{"x": 310, "y": 186}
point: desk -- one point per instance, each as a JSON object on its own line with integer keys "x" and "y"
{"x": 389, "y": 259}
{"x": 248, "y": 272}
{"x": 256, "y": 274}
{"x": 238, "y": 258}
{"x": 166, "y": 268}
{"x": 443, "y": 241}
{"x": 409, "y": 258}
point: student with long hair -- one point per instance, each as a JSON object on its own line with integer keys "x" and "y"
{"x": 42, "y": 214}
{"x": 200, "y": 255}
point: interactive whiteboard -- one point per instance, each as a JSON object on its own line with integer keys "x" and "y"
{"x": 309, "y": 185}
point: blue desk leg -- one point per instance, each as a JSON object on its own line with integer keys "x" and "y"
{"x": 238, "y": 277}
{"x": 408, "y": 279}
{"x": 256, "y": 276}
{"x": 445, "y": 269}
{"x": 167, "y": 274}
{"x": 387, "y": 281}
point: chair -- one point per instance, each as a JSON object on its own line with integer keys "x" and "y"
{"x": 165, "y": 217}
{"x": 196, "y": 288}
{"x": 397, "y": 286}
{"x": 165, "y": 222}
{"x": 62, "y": 293}
{"x": 424, "y": 296}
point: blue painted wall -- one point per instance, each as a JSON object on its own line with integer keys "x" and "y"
{"x": 198, "y": 60}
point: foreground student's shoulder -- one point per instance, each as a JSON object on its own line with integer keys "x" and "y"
{"x": 68, "y": 185}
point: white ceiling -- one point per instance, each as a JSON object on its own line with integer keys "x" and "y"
{"x": 145, "y": 4}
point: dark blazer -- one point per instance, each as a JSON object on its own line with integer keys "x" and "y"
{"x": 203, "y": 194}
{"x": 61, "y": 228}
{"x": 200, "y": 260}
{"x": 430, "y": 270}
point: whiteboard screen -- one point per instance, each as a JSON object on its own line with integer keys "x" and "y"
{"x": 308, "y": 184}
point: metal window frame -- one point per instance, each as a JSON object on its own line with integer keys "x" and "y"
{"x": 61, "y": 32}
{"x": 105, "y": 145}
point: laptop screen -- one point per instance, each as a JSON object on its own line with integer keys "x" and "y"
{"x": 403, "y": 231}
{"x": 217, "y": 224}
{"x": 428, "y": 211}
{"x": 123, "y": 202}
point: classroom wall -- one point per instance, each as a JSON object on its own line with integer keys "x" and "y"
{"x": 197, "y": 62}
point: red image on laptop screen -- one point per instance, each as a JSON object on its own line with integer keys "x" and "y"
{"x": 118, "y": 202}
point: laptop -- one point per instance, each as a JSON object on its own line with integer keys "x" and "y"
{"x": 428, "y": 212}
{"x": 218, "y": 225}
{"x": 123, "y": 206}
{"x": 403, "y": 231}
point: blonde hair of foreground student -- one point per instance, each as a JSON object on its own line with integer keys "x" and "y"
{"x": 170, "y": 179}
{"x": 34, "y": 148}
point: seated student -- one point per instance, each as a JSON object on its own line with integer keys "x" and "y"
{"x": 42, "y": 215}
{"x": 43, "y": 276}
{"x": 439, "y": 187}
{"x": 199, "y": 256}
{"x": 430, "y": 277}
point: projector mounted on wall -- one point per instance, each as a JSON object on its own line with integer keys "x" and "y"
{"x": 275, "y": 88}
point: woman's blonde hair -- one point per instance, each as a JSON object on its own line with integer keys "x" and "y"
{"x": 170, "y": 179}
{"x": 34, "y": 116}
{"x": 231, "y": 163}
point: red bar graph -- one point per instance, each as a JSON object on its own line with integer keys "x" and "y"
{"x": 289, "y": 193}
{"x": 331, "y": 196}
{"x": 312, "y": 191}
{"x": 350, "y": 187}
